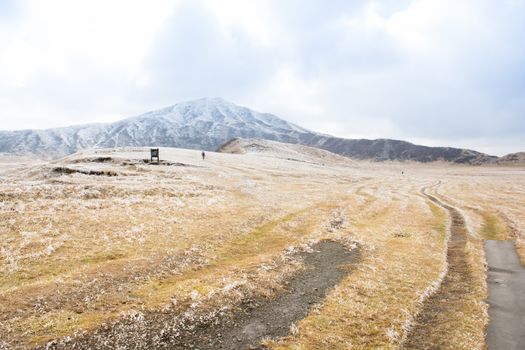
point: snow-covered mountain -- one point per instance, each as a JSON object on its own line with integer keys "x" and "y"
{"x": 201, "y": 124}
{"x": 207, "y": 124}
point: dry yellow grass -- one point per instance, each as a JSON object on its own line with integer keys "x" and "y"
{"x": 78, "y": 251}
{"x": 371, "y": 308}
{"x": 492, "y": 201}
{"x": 456, "y": 308}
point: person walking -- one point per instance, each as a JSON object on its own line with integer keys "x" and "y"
{"x": 203, "y": 155}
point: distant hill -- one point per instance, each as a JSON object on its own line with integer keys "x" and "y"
{"x": 386, "y": 149}
{"x": 294, "y": 152}
{"x": 513, "y": 159}
{"x": 210, "y": 122}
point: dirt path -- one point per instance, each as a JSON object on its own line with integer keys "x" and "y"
{"x": 506, "y": 281}
{"x": 428, "y": 330}
{"x": 254, "y": 320}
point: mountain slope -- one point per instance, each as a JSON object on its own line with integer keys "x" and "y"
{"x": 513, "y": 159}
{"x": 208, "y": 123}
{"x": 52, "y": 142}
{"x": 294, "y": 152}
{"x": 200, "y": 124}
{"x": 386, "y": 149}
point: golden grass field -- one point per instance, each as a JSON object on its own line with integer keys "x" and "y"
{"x": 80, "y": 251}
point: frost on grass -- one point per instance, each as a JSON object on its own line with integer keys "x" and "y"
{"x": 145, "y": 255}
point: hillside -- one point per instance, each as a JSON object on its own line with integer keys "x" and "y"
{"x": 512, "y": 159}
{"x": 201, "y": 124}
{"x": 282, "y": 150}
{"x": 210, "y": 122}
{"x": 386, "y": 149}
{"x": 104, "y": 250}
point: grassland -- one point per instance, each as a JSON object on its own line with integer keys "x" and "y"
{"x": 79, "y": 252}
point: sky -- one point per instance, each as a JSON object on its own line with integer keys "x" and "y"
{"x": 433, "y": 72}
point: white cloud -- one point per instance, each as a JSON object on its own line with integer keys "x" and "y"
{"x": 69, "y": 49}
{"x": 252, "y": 16}
{"x": 53, "y": 34}
{"x": 432, "y": 70}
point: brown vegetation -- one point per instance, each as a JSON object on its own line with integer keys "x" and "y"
{"x": 79, "y": 253}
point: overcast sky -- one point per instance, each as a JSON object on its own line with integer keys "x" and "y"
{"x": 436, "y": 72}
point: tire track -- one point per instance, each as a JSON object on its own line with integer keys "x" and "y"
{"x": 447, "y": 303}
{"x": 255, "y": 318}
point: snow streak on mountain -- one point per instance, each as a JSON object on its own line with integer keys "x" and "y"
{"x": 207, "y": 124}
{"x": 201, "y": 124}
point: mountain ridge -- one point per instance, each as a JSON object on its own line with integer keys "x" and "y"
{"x": 201, "y": 124}
{"x": 208, "y": 123}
